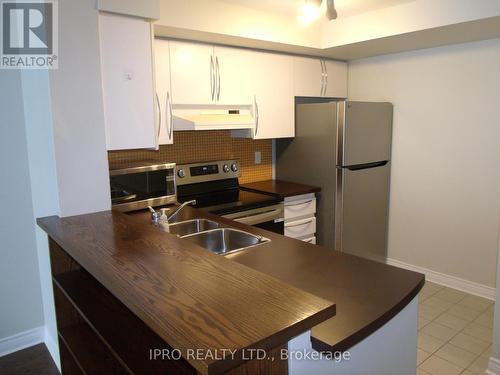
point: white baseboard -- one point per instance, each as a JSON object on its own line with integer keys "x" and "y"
{"x": 22, "y": 340}
{"x": 53, "y": 347}
{"x": 493, "y": 367}
{"x": 448, "y": 280}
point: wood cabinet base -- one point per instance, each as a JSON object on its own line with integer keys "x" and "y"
{"x": 100, "y": 335}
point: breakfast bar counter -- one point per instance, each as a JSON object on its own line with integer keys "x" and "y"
{"x": 181, "y": 296}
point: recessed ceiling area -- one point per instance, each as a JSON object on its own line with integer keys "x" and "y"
{"x": 364, "y": 27}
{"x": 345, "y": 8}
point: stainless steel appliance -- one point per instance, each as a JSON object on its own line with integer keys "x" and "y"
{"x": 345, "y": 148}
{"x": 215, "y": 187}
{"x": 135, "y": 187}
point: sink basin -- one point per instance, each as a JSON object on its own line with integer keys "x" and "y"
{"x": 226, "y": 240}
{"x": 188, "y": 227}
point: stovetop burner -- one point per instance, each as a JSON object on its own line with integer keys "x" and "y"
{"x": 215, "y": 187}
{"x": 229, "y": 201}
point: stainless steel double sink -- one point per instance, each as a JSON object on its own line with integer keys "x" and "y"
{"x": 210, "y": 235}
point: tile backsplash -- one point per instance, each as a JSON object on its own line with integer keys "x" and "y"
{"x": 201, "y": 146}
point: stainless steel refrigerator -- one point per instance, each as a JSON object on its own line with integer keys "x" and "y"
{"x": 345, "y": 148}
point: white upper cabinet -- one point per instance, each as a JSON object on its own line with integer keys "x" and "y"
{"x": 234, "y": 74}
{"x": 127, "y": 80}
{"x": 308, "y": 76}
{"x": 163, "y": 91}
{"x": 319, "y": 78}
{"x": 274, "y": 100}
{"x": 192, "y": 72}
{"x": 335, "y": 79}
{"x": 203, "y": 74}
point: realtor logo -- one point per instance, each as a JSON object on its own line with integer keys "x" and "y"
{"x": 29, "y": 34}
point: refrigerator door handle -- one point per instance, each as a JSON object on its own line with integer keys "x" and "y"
{"x": 359, "y": 167}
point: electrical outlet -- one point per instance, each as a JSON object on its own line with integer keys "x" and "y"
{"x": 258, "y": 157}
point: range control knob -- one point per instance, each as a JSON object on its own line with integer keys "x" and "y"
{"x": 225, "y": 168}
{"x": 234, "y": 167}
{"x": 181, "y": 173}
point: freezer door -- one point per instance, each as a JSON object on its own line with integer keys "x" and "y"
{"x": 365, "y": 134}
{"x": 362, "y": 211}
{"x": 309, "y": 158}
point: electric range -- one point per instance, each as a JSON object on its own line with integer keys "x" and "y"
{"x": 215, "y": 187}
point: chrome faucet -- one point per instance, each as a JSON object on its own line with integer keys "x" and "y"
{"x": 155, "y": 215}
{"x": 159, "y": 216}
{"x": 176, "y": 212}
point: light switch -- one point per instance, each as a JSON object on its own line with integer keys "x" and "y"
{"x": 258, "y": 157}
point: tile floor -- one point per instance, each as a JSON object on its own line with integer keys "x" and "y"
{"x": 454, "y": 332}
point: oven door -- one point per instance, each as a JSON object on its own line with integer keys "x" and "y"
{"x": 271, "y": 218}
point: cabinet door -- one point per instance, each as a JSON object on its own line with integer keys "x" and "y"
{"x": 127, "y": 82}
{"x": 192, "y": 68}
{"x": 163, "y": 91}
{"x": 308, "y": 76}
{"x": 234, "y": 75}
{"x": 336, "y": 79}
{"x": 274, "y": 101}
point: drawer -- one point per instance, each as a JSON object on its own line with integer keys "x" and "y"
{"x": 301, "y": 228}
{"x": 306, "y": 206}
{"x": 311, "y": 240}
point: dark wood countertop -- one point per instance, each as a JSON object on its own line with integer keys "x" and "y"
{"x": 368, "y": 294}
{"x": 190, "y": 297}
{"x": 280, "y": 188}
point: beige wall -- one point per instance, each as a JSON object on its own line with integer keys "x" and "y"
{"x": 445, "y": 183}
{"x": 21, "y": 304}
{"x": 496, "y": 331}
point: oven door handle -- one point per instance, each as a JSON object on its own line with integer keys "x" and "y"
{"x": 261, "y": 217}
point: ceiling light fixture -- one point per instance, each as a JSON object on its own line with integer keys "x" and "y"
{"x": 312, "y": 9}
{"x": 331, "y": 12}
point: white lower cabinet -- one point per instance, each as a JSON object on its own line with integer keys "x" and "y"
{"x": 300, "y": 219}
{"x": 305, "y": 206}
{"x": 311, "y": 240}
{"x": 300, "y": 228}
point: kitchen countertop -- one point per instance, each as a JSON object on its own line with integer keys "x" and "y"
{"x": 280, "y": 188}
{"x": 368, "y": 294}
{"x": 259, "y": 297}
{"x": 191, "y": 298}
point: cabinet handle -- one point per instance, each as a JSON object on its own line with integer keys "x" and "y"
{"x": 299, "y": 224}
{"x": 256, "y": 114}
{"x": 298, "y": 204}
{"x": 260, "y": 217}
{"x": 170, "y": 122}
{"x": 326, "y": 77}
{"x": 159, "y": 117}
{"x": 322, "y": 78}
{"x": 212, "y": 80}
{"x": 218, "y": 76}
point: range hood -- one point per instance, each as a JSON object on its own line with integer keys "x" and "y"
{"x": 213, "y": 118}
